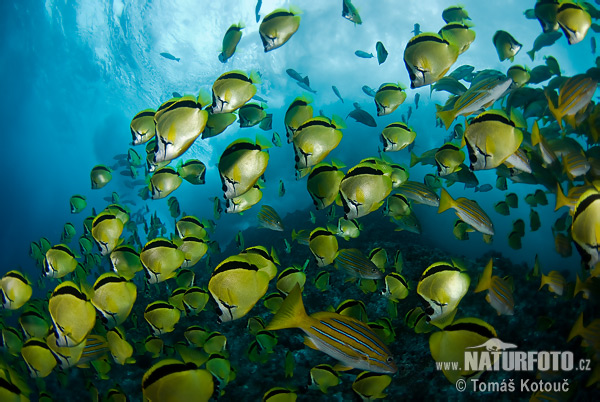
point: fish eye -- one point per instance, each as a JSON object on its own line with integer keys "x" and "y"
{"x": 389, "y": 360}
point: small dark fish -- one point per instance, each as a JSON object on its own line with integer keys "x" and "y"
{"x": 304, "y": 85}
{"x": 484, "y": 188}
{"x": 267, "y": 123}
{"x": 369, "y": 91}
{"x": 260, "y": 99}
{"x": 169, "y": 56}
{"x": 257, "y": 10}
{"x": 363, "y": 117}
{"x": 382, "y": 54}
{"x": 294, "y": 74}
{"x": 337, "y": 93}
{"x": 593, "y": 41}
{"x": 417, "y": 97}
{"x": 176, "y": 95}
{"x": 417, "y": 29}
{"x": 363, "y": 54}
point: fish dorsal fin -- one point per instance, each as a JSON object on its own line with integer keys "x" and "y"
{"x": 291, "y": 314}
{"x": 486, "y": 278}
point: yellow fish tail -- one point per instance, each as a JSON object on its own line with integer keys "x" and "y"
{"x": 486, "y": 278}
{"x": 291, "y": 314}
{"x": 555, "y": 111}
{"x": 446, "y": 201}
{"x": 447, "y": 116}
{"x": 561, "y": 200}
{"x": 577, "y": 328}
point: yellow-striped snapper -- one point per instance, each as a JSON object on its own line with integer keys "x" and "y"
{"x": 269, "y": 218}
{"x": 356, "y": 264}
{"x": 346, "y": 339}
{"x": 500, "y": 293}
{"x": 467, "y": 210}
{"x": 479, "y": 96}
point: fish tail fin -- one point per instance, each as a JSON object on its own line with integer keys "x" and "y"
{"x": 577, "y": 328}
{"x": 332, "y": 228}
{"x": 204, "y": 97}
{"x": 545, "y": 280}
{"x": 446, "y": 201}
{"x": 555, "y": 112}
{"x": 263, "y": 142}
{"x": 255, "y": 77}
{"x": 291, "y": 314}
{"x": 338, "y": 122}
{"x": 486, "y": 278}
{"x": 294, "y": 234}
{"x": 447, "y": 117}
{"x": 531, "y": 54}
{"x": 414, "y": 159}
{"x": 561, "y": 200}
{"x": 535, "y": 134}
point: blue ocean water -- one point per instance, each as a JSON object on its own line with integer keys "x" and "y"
{"x": 75, "y": 73}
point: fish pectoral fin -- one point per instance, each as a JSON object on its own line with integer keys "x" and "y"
{"x": 308, "y": 342}
{"x": 341, "y": 367}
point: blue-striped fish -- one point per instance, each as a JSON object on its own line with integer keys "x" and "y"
{"x": 269, "y": 218}
{"x": 356, "y": 264}
{"x": 571, "y": 198}
{"x": 575, "y": 164}
{"x": 301, "y": 236}
{"x": 467, "y": 210}
{"x": 419, "y": 192}
{"x": 500, "y": 294}
{"x": 574, "y": 95}
{"x": 346, "y": 339}
{"x": 555, "y": 281}
{"x": 479, "y": 96}
{"x": 95, "y": 347}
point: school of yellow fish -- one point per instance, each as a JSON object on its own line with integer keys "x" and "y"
{"x": 527, "y": 133}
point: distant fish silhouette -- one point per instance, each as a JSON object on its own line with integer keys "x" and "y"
{"x": 169, "y": 56}
{"x": 494, "y": 344}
